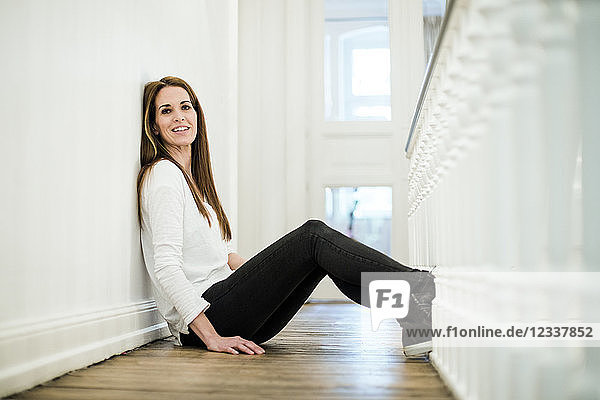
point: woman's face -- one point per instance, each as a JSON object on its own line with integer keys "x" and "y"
{"x": 175, "y": 116}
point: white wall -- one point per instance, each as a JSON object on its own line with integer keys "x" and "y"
{"x": 264, "y": 125}
{"x": 74, "y": 287}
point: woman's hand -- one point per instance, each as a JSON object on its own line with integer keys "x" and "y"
{"x": 215, "y": 342}
{"x": 235, "y": 261}
{"x": 233, "y": 345}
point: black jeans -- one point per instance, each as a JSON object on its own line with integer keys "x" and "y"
{"x": 259, "y": 299}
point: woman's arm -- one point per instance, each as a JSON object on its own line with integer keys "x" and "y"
{"x": 214, "y": 342}
{"x": 235, "y": 261}
{"x": 165, "y": 203}
{"x": 164, "y": 199}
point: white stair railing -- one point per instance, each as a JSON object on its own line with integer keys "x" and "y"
{"x": 504, "y": 176}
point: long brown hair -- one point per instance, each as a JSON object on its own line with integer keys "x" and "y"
{"x": 152, "y": 150}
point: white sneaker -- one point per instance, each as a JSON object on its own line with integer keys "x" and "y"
{"x": 417, "y": 349}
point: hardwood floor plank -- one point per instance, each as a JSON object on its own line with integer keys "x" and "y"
{"x": 321, "y": 354}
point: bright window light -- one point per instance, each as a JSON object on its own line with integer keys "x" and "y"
{"x": 356, "y": 60}
{"x": 371, "y": 72}
{"x": 381, "y": 112}
{"x": 363, "y": 213}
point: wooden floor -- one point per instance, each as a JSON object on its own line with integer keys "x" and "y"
{"x": 322, "y": 353}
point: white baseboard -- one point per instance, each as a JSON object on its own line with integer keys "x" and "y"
{"x": 35, "y": 352}
{"x": 446, "y": 376}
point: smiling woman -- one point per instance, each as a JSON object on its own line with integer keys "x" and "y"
{"x": 168, "y": 104}
{"x": 176, "y": 121}
{"x": 209, "y": 295}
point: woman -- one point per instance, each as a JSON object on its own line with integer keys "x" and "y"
{"x": 208, "y": 294}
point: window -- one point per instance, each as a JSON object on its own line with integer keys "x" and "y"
{"x": 357, "y": 61}
{"x": 433, "y": 12}
{"x": 362, "y": 213}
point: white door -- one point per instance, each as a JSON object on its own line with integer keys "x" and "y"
{"x": 288, "y": 152}
{"x": 342, "y": 149}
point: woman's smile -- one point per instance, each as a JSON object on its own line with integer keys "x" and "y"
{"x": 181, "y": 129}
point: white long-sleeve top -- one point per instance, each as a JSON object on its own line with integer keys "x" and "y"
{"x": 184, "y": 256}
